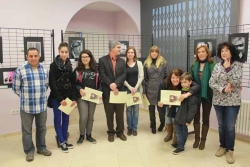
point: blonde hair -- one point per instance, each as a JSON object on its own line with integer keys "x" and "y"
{"x": 159, "y": 60}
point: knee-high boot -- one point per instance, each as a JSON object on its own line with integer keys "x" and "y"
{"x": 169, "y": 129}
{"x": 197, "y": 135}
{"x": 203, "y": 136}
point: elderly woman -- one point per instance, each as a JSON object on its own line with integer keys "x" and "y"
{"x": 226, "y": 84}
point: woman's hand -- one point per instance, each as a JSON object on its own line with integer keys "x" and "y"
{"x": 226, "y": 63}
{"x": 229, "y": 88}
{"x": 187, "y": 124}
{"x": 160, "y": 104}
{"x": 82, "y": 92}
{"x": 63, "y": 103}
{"x": 184, "y": 96}
{"x": 73, "y": 103}
{"x": 133, "y": 91}
{"x": 143, "y": 96}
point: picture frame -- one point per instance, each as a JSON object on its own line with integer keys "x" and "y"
{"x": 124, "y": 46}
{"x": 35, "y": 42}
{"x": 1, "y": 50}
{"x": 210, "y": 43}
{"x": 7, "y": 76}
{"x": 240, "y": 41}
{"x": 76, "y": 46}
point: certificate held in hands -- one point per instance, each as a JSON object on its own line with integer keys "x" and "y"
{"x": 92, "y": 95}
{"x": 67, "y": 109}
{"x": 134, "y": 99}
{"x": 120, "y": 98}
{"x": 170, "y": 97}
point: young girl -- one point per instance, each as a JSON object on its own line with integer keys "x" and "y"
{"x": 62, "y": 86}
{"x": 133, "y": 81}
{"x": 86, "y": 75}
{"x": 173, "y": 83}
{"x": 155, "y": 70}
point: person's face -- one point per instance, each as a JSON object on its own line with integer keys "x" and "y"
{"x": 154, "y": 54}
{"x": 185, "y": 83}
{"x": 85, "y": 59}
{"x": 130, "y": 54}
{"x": 33, "y": 58}
{"x": 202, "y": 54}
{"x": 175, "y": 80}
{"x": 64, "y": 53}
{"x": 116, "y": 50}
{"x": 225, "y": 53}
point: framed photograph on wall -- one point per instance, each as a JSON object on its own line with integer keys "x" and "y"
{"x": 76, "y": 46}
{"x": 124, "y": 45}
{"x": 210, "y": 43}
{"x": 6, "y": 76}
{"x": 1, "y": 50}
{"x": 240, "y": 41}
{"x": 34, "y": 42}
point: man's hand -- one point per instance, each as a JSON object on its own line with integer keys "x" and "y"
{"x": 160, "y": 104}
{"x": 113, "y": 86}
{"x": 116, "y": 91}
{"x": 187, "y": 124}
{"x": 63, "y": 103}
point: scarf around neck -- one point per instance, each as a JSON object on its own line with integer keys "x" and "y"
{"x": 61, "y": 65}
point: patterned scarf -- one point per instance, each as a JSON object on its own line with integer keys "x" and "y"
{"x": 61, "y": 65}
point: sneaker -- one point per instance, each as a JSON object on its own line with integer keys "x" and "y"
{"x": 64, "y": 148}
{"x": 80, "y": 140}
{"x": 30, "y": 157}
{"x": 230, "y": 157}
{"x": 220, "y": 152}
{"x": 129, "y": 132}
{"x": 177, "y": 151}
{"x": 45, "y": 152}
{"x": 89, "y": 138}
{"x": 134, "y": 133}
{"x": 174, "y": 145}
{"x": 68, "y": 145}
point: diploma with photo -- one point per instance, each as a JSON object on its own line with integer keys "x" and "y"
{"x": 170, "y": 97}
{"x": 92, "y": 95}
{"x": 120, "y": 98}
{"x": 67, "y": 109}
{"x": 134, "y": 99}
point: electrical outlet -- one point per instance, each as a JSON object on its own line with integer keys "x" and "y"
{"x": 15, "y": 111}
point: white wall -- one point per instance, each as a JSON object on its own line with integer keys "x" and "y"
{"x": 45, "y": 14}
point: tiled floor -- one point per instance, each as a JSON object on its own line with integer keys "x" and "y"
{"x": 144, "y": 150}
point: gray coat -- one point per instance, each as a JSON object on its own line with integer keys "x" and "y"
{"x": 153, "y": 77}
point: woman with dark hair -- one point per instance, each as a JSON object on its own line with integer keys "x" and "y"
{"x": 62, "y": 86}
{"x": 133, "y": 81}
{"x": 173, "y": 83}
{"x": 85, "y": 75}
{"x": 226, "y": 84}
{"x": 155, "y": 71}
{"x": 201, "y": 71}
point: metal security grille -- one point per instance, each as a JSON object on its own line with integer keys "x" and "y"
{"x": 169, "y": 25}
{"x": 221, "y": 35}
{"x": 98, "y": 43}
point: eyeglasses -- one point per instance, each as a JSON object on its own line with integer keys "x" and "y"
{"x": 85, "y": 57}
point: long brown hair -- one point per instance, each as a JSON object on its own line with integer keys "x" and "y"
{"x": 92, "y": 63}
{"x": 177, "y": 72}
{"x": 208, "y": 53}
{"x": 135, "y": 57}
{"x": 160, "y": 59}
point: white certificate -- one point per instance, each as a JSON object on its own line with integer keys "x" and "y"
{"x": 92, "y": 95}
{"x": 134, "y": 99}
{"x": 67, "y": 109}
{"x": 170, "y": 97}
{"x": 120, "y": 98}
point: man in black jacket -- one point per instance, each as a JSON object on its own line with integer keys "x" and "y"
{"x": 113, "y": 74}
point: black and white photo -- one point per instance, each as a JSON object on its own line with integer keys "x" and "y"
{"x": 124, "y": 46}
{"x": 76, "y": 44}
{"x": 34, "y": 42}
{"x": 210, "y": 43}
{"x": 240, "y": 41}
{"x": 1, "y": 50}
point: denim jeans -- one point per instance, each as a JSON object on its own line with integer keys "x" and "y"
{"x": 27, "y": 121}
{"x": 182, "y": 134}
{"x": 61, "y": 122}
{"x": 132, "y": 116}
{"x": 168, "y": 120}
{"x": 226, "y": 116}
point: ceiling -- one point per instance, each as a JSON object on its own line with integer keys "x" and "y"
{"x": 103, "y": 6}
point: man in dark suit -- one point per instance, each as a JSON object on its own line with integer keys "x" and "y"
{"x": 113, "y": 74}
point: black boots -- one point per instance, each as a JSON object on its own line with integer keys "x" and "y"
{"x": 80, "y": 140}
{"x": 89, "y": 138}
{"x": 197, "y": 135}
{"x": 153, "y": 127}
{"x": 161, "y": 127}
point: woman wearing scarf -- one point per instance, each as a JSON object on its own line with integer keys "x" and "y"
{"x": 201, "y": 71}
{"x": 62, "y": 86}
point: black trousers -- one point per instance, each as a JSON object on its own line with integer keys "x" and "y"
{"x": 110, "y": 110}
{"x": 206, "y": 108}
{"x": 161, "y": 111}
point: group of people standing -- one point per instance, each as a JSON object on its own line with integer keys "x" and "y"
{"x": 208, "y": 83}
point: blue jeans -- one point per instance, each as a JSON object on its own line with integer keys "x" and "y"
{"x": 61, "y": 122}
{"x": 168, "y": 120}
{"x": 226, "y": 116}
{"x": 132, "y": 117}
{"x": 27, "y": 121}
{"x": 182, "y": 134}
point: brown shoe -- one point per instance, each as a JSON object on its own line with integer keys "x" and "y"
{"x": 122, "y": 137}
{"x": 111, "y": 138}
{"x": 129, "y": 132}
{"x": 134, "y": 133}
{"x": 29, "y": 157}
{"x": 45, "y": 152}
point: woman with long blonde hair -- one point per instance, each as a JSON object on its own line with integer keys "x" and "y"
{"x": 155, "y": 71}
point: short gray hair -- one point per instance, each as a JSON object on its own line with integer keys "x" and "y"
{"x": 113, "y": 44}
